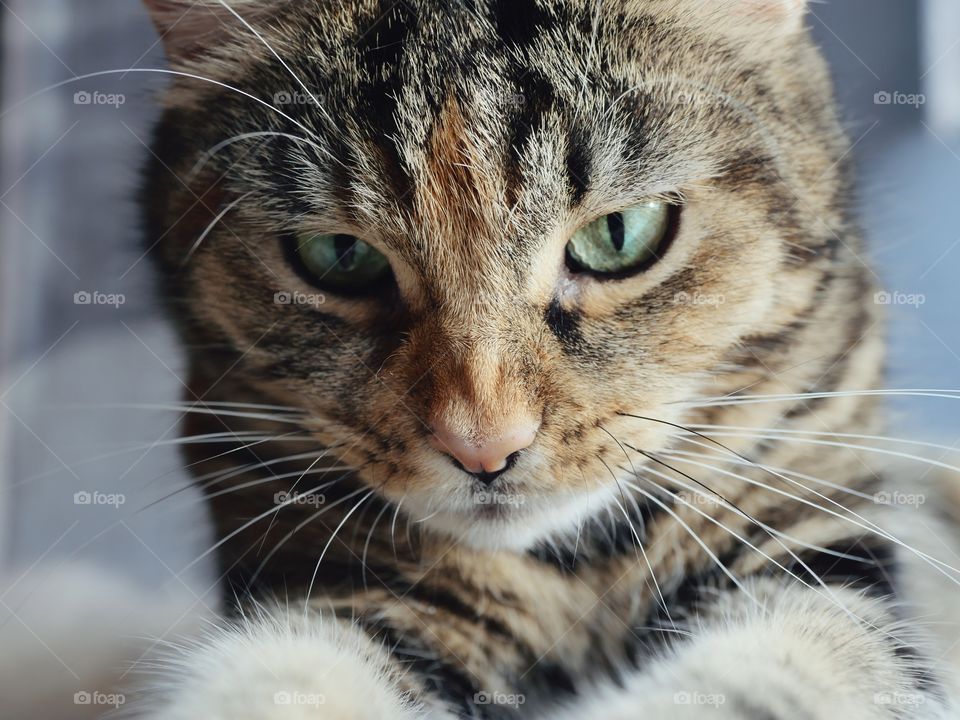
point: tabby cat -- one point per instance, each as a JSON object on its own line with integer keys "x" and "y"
{"x": 500, "y": 314}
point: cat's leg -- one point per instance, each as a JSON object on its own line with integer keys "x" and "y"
{"x": 795, "y": 654}
{"x": 284, "y": 666}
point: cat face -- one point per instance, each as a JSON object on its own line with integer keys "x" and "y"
{"x": 471, "y": 240}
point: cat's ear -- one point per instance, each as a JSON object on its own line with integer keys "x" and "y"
{"x": 188, "y": 27}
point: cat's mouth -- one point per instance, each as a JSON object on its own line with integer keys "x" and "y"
{"x": 505, "y": 514}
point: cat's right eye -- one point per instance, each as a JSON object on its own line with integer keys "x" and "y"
{"x": 340, "y": 261}
{"x": 624, "y": 242}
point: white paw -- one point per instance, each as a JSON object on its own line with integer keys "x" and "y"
{"x": 283, "y": 668}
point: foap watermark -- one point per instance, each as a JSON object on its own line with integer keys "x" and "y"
{"x": 510, "y": 100}
{"x": 902, "y": 699}
{"x": 704, "y": 499}
{"x": 498, "y": 498}
{"x": 887, "y": 97}
{"x": 701, "y": 98}
{"x": 900, "y": 499}
{"x": 97, "y": 698}
{"x": 298, "y": 498}
{"x": 95, "y": 297}
{"x": 885, "y": 297}
{"x": 95, "y": 497}
{"x": 299, "y": 298}
{"x": 514, "y": 700}
{"x": 95, "y": 97}
{"x": 296, "y": 697}
{"x": 699, "y": 298}
{"x": 293, "y": 97}
{"x": 694, "y": 697}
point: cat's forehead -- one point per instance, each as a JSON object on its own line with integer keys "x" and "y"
{"x": 426, "y": 108}
{"x": 497, "y": 121}
{"x": 513, "y": 95}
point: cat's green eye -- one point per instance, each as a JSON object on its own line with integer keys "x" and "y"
{"x": 623, "y": 241}
{"x": 341, "y": 261}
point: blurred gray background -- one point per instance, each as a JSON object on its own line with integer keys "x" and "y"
{"x": 81, "y": 384}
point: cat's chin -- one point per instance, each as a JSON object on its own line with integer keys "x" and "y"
{"x": 517, "y": 527}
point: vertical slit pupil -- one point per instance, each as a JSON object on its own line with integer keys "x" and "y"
{"x": 615, "y": 226}
{"x": 346, "y": 248}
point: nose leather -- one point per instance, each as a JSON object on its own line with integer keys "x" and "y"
{"x": 487, "y": 455}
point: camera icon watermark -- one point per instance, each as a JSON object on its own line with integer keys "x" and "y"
{"x": 510, "y": 100}
{"x": 96, "y": 698}
{"x": 95, "y": 297}
{"x": 296, "y": 498}
{"x": 896, "y": 498}
{"x": 101, "y": 499}
{"x": 704, "y": 499}
{"x": 693, "y": 697}
{"x": 293, "y": 97}
{"x": 701, "y": 98}
{"x": 95, "y": 97}
{"x": 699, "y": 298}
{"x": 299, "y": 298}
{"x": 295, "y": 697}
{"x": 903, "y": 699}
{"x": 914, "y": 300}
{"x": 498, "y": 498}
{"x": 484, "y": 697}
{"x": 885, "y": 97}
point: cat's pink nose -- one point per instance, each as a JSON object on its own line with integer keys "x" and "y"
{"x": 488, "y": 456}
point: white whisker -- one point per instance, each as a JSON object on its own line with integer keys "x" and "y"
{"x": 734, "y": 399}
{"x": 161, "y": 71}
{"x": 393, "y": 527}
{"x": 212, "y": 439}
{"x": 850, "y": 436}
{"x": 280, "y": 59}
{"x": 866, "y": 524}
{"x": 306, "y": 602}
{"x": 212, "y": 152}
{"x": 366, "y": 545}
{"x": 832, "y": 597}
{"x": 203, "y": 236}
{"x": 680, "y": 454}
{"x": 297, "y": 528}
{"x": 697, "y": 539}
{"x": 246, "y": 525}
{"x": 830, "y": 443}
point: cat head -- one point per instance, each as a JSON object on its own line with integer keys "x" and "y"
{"x": 477, "y": 243}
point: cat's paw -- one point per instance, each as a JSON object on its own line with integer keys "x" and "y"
{"x": 283, "y": 668}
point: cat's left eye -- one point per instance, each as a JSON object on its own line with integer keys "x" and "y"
{"x": 340, "y": 261}
{"x": 622, "y": 242}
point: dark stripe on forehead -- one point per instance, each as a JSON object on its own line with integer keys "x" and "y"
{"x": 381, "y": 48}
{"x": 286, "y": 170}
{"x": 518, "y": 22}
{"x": 538, "y": 98}
{"x": 381, "y": 44}
{"x": 578, "y": 164}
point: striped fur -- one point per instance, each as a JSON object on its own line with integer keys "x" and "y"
{"x": 467, "y": 141}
